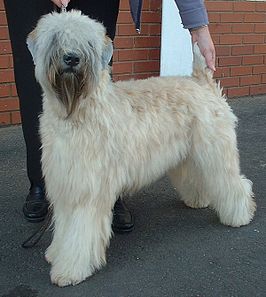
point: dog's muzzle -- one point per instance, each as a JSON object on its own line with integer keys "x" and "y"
{"x": 70, "y": 62}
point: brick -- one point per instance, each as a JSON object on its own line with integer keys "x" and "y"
{"x": 241, "y": 70}
{"x": 256, "y": 90}
{"x": 124, "y": 5}
{"x": 144, "y": 30}
{"x": 133, "y": 55}
{"x": 252, "y": 60}
{"x": 4, "y": 61}
{"x": 155, "y": 5}
{"x": 5, "y": 47}
{"x": 229, "y": 82}
{"x": 123, "y": 42}
{"x": 9, "y": 104}
{"x": 154, "y": 29}
{"x": 221, "y": 28}
{"x": 242, "y": 50}
{"x": 263, "y": 80}
{"x": 231, "y": 39}
{"x": 3, "y": 20}
{"x": 229, "y": 61}
{"x": 154, "y": 54}
{"x": 250, "y": 80}
{"x": 146, "y": 66}
{"x": 127, "y": 29}
{"x": 5, "y": 118}
{"x": 222, "y": 72}
{"x": 11, "y": 62}
{"x": 122, "y": 67}
{"x": 244, "y": 6}
{"x": 124, "y": 17}
{"x": 260, "y": 28}
{"x": 6, "y": 75}
{"x": 145, "y": 5}
{"x": 151, "y": 17}
{"x": 261, "y": 6}
{"x": 2, "y": 7}
{"x": 260, "y": 49}
{"x": 15, "y": 118}
{"x": 5, "y": 90}
{"x": 237, "y": 92}
{"x": 13, "y": 90}
{"x": 219, "y": 6}
{"x": 243, "y": 28}
{"x": 232, "y": 17}
{"x": 255, "y": 18}
{"x": 259, "y": 69}
{"x": 223, "y": 50}
{"x": 253, "y": 38}
{"x": 151, "y": 42}
{"x": 214, "y": 17}
{"x": 4, "y": 35}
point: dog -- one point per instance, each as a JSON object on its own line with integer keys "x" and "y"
{"x": 102, "y": 138}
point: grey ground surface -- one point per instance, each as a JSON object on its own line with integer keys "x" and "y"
{"x": 173, "y": 251}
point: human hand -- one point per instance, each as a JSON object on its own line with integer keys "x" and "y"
{"x": 203, "y": 38}
{"x": 59, "y": 3}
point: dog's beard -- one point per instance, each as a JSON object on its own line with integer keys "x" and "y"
{"x": 70, "y": 87}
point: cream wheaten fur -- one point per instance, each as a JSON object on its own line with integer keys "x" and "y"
{"x": 101, "y": 138}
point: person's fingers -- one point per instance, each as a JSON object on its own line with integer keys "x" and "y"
{"x": 65, "y": 2}
{"x": 210, "y": 59}
{"x": 59, "y": 3}
{"x": 203, "y": 38}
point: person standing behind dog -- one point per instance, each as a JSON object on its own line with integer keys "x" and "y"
{"x": 22, "y": 16}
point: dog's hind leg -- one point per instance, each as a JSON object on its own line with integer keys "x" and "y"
{"x": 188, "y": 183}
{"x": 80, "y": 246}
{"x": 216, "y": 158}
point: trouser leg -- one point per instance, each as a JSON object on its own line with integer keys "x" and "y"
{"x": 22, "y": 17}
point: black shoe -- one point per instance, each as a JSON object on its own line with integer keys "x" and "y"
{"x": 123, "y": 221}
{"x": 36, "y": 206}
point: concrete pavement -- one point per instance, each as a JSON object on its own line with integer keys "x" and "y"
{"x": 174, "y": 251}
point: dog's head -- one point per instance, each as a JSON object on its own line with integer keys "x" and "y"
{"x": 69, "y": 51}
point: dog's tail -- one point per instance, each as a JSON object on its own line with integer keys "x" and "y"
{"x": 201, "y": 72}
{"x": 200, "y": 69}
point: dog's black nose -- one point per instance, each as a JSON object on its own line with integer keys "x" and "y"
{"x": 71, "y": 60}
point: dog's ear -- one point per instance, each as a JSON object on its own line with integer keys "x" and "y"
{"x": 107, "y": 52}
{"x": 31, "y": 43}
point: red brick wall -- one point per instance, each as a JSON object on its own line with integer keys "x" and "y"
{"x": 137, "y": 56}
{"x": 239, "y": 33}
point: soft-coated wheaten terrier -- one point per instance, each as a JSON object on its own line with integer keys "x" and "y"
{"x": 101, "y": 138}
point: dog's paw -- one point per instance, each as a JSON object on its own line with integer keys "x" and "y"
{"x": 67, "y": 278}
{"x": 196, "y": 204}
{"x": 239, "y": 216}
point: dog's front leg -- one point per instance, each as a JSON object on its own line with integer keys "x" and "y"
{"x": 82, "y": 234}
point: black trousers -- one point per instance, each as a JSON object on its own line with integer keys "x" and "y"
{"x": 22, "y": 17}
